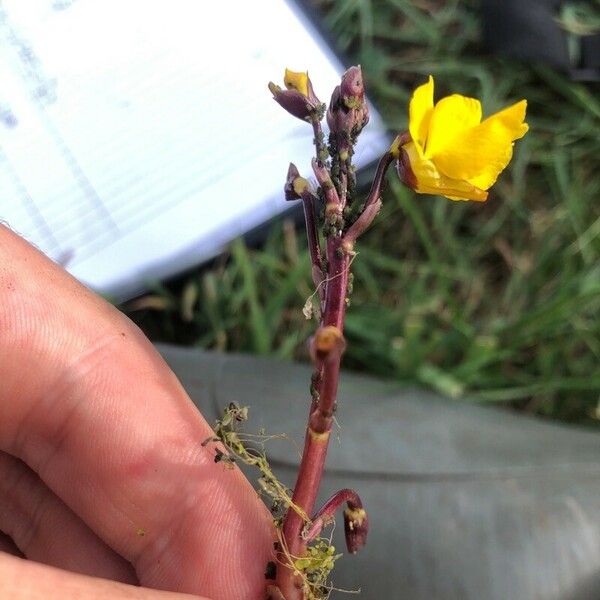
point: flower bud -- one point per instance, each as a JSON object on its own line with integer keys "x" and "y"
{"x": 348, "y": 112}
{"x": 291, "y": 188}
{"x": 298, "y": 98}
{"x": 352, "y": 86}
{"x": 356, "y": 528}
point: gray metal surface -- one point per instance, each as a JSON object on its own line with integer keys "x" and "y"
{"x": 465, "y": 502}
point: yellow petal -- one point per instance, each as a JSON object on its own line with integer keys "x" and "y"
{"x": 480, "y": 154}
{"x": 451, "y": 117}
{"x": 431, "y": 181}
{"x": 419, "y": 112}
{"x": 512, "y": 119}
{"x": 296, "y": 81}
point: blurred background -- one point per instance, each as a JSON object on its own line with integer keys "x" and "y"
{"x": 495, "y": 303}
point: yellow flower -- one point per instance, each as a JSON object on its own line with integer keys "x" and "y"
{"x": 450, "y": 150}
{"x": 299, "y": 98}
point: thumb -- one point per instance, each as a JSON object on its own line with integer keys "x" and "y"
{"x": 22, "y": 579}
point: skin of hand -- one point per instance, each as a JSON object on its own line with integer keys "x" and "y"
{"x": 104, "y": 484}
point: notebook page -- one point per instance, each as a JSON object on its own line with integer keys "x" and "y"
{"x": 137, "y": 137}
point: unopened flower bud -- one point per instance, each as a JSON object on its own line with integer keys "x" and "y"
{"x": 298, "y": 98}
{"x": 294, "y": 185}
{"x": 352, "y": 87}
{"x": 348, "y": 112}
{"x": 356, "y": 528}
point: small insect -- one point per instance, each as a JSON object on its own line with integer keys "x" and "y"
{"x": 226, "y": 459}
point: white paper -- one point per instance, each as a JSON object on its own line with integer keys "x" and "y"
{"x": 138, "y": 137}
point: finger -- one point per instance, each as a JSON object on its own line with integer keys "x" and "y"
{"x": 8, "y": 546}
{"x": 27, "y": 580}
{"x": 106, "y": 425}
{"x": 44, "y": 529}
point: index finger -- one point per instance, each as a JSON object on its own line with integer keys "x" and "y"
{"x": 89, "y": 404}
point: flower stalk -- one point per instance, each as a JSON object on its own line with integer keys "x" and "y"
{"x": 447, "y": 150}
{"x": 333, "y": 170}
{"x": 327, "y": 349}
{"x": 298, "y": 188}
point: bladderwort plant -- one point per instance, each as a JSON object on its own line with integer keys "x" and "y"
{"x": 448, "y": 150}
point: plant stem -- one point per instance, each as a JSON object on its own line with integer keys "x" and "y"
{"x": 375, "y": 192}
{"x": 320, "y": 422}
{"x": 319, "y": 140}
{"x": 328, "y": 346}
{"x": 325, "y": 381}
{"x": 372, "y": 204}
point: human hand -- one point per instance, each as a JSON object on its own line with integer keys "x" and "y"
{"x": 102, "y": 472}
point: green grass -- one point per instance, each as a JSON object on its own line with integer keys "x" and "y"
{"x": 494, "y": 303}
